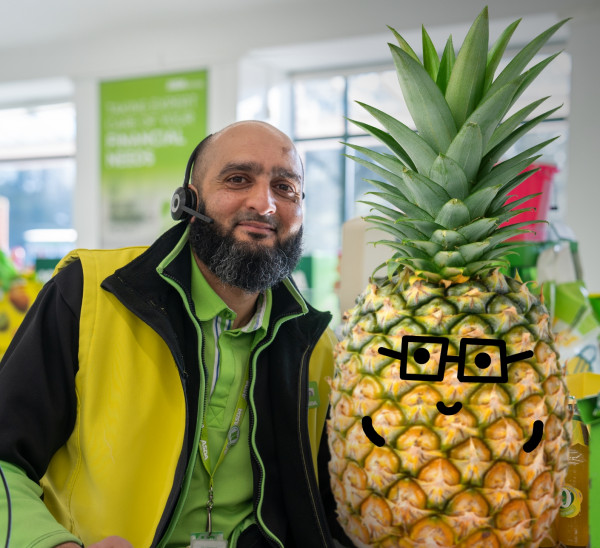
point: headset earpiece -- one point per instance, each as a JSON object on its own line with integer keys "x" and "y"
{"x": 183, "y": 198}
{"x": 184, "y": 201}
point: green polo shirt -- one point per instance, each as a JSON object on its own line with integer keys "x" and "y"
{"x": 225, "y": 355}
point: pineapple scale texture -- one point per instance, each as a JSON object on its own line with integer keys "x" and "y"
{"x": 459, "y": 480}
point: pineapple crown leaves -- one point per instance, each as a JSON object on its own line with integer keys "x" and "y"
{"x": 447, "y": 183}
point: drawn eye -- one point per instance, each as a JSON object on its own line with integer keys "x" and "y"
{"x": 421, "y": 355}
{"x": 482, "y": 360}
{"x": 425, "y": 358}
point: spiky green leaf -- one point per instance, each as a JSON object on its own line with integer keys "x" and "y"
{"x": 425, "y": 101}
{"x": 390, "y": 189}
{"x": 408, "y": 249}
{"x": 420, "y": 153}
{"x": 466, "y": 150}
{"x": 449, "y": 258}
{"x": 528, "y": 77}
{"x": 427, "y": 194}
{"x": 387, "y": 140}
{"x": 479, "y": 229}
{"x": 392, "y": 266}
{"x": 408, "y": 208}
{"x": 503, "y": 176}
{"x": 503, "y": 233}
{"x": 453, "y": 214}
{"x": 449, "y": 175}
{"x": 419, "y": 265}
{"x": 405, "y": 45}
{"x": 502, "y": 251}
{"x": 426, "y": 227}
{"x": 497, "y": 51}
{"x": 388, "y": 161}
{"x": 511, "y": 214}
{"x": 500, "y": 199}
{"x": 478, "y": 202}
{"x": 412, "y": 186}
{"x": 506, "y": 209}
{"x": 490, "y": 112}
{"x": 450, "y": 272}
{"x": 474, "y": 251}
{"x": 510, "y": 124}
{"x": 398, "y": 231}
{"x": 385, "y": 228}
{"x": 388, "y": 211}
{"x": 492, "y": 157}
{"x": 446, "y": 65}
{"x": 448, "y": 239}
{"x": 395, "y": 180}
{"x": 427, "y": 246}
{"x": 479, "y": 268}
{"x": 465, "y": 87}
{"x": 431, "y": 61}
{"x": 503, "y": 172}
{"x": 522, "y": 59}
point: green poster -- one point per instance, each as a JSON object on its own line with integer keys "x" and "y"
{"x": 149, "y": 127}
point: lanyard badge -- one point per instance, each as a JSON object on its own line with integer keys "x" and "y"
{"x": 207, "y": 540}
{"x": 210, "y": 539}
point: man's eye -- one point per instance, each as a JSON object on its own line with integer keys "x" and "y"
{"x": 285, "y": 189}
{"x": 237, "y": 179}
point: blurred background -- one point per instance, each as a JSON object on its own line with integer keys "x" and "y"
{"x": 101, "y": 104}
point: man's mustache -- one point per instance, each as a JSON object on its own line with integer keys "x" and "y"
{"x": 273, "y": 223}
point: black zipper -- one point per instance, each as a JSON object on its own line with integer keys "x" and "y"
{"x": 302, "y": 404}
{"x": 266, "y": 341}
{"x": 172, "y": 501}
{"x": 302, "y": 437}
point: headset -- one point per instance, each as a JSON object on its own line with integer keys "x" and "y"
{"x": 184, "y": 201}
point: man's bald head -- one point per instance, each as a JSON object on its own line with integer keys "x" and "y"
{"x": 242, "y": 128}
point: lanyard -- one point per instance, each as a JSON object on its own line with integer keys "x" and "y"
{"x": 233, "y": 435}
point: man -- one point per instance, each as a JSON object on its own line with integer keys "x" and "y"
{"x": 126, "y": 390}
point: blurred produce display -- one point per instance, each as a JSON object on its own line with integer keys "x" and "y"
{"x": 18, "y": 290}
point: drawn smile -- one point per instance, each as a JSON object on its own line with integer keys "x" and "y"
{"x": 445, "y": 410}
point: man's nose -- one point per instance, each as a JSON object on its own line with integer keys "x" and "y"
{"x": 261, "y": 198}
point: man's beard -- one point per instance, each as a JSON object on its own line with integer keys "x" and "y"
{"x": 249, "y": 266}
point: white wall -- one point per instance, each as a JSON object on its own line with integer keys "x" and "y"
{"x": 583, "y": 213}
{"x": 261, "y": 43}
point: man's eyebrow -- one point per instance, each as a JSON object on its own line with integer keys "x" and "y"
{"x": 256, "y": 169}
{"x": 248, "y": 167}
{"x": 286, "y": 174}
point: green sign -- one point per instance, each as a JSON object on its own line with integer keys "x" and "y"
{"x": 149, "y": 127}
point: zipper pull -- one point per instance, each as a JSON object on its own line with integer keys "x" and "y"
{"x": 209, "y": 507}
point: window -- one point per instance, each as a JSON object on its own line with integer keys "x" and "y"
{"x": 37, "y": 180}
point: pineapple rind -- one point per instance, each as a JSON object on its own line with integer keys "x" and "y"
{"x": 460, "y": 478}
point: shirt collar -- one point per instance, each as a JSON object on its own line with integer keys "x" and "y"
{"x": 208, "y": 304}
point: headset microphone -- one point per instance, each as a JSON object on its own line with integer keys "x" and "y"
{"x": 184, "y": 202}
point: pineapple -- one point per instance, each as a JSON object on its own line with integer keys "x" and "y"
{"x": 430, "y": 474}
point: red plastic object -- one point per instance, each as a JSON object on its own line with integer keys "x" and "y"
{"x": 540, "y": 181}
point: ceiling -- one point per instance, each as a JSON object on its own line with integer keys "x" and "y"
{"x": 26, "y": 23}
{"x": 31, "y": 23}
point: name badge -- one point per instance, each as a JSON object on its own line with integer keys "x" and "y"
{"x": 206, "y": 540}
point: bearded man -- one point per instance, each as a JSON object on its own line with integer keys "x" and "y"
{"x": 176, "y": 395}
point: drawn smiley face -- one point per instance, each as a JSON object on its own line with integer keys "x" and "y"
{"x": 493, "y": 351}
